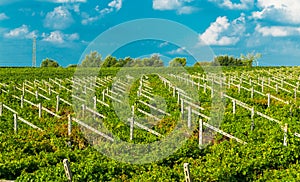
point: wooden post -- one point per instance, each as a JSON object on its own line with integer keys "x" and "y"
{"x": 57, "y": 103}
{"x": 205, "y": 87}
{"x": 103, "y": 96}
{"x": 83, "y": 110}
{"x": 15, "y": 123}
{"x": 269, "y": 99}
{"x": 250, "y": 82}
{"x": 69, "y": 125}
{"x": 252, "y": 118}
{"x": 84, "y": 91}
{"x": 132, "y": 124}
{"x": 189, "y": 117}
{"x": 295, "y": 94}
{"x": 36, "y": 95}
{"x": 252, "y": 92}
{"x": 95, "y": 105}
{"x": 40, "y": 110}
{"x": 239, "y": 88}
{"x": 182, "y": 109}
{"x": 67, "y": 170}
{"x": 233, "y": 106}
{"x": 1, "y": 108}
{"x": 49, "y": 90}
{"x": 95, "y": 102}
{"x": 212, "y": 91}
{"x": 285, "y": 134}
{"x": 174, "y": 91}
{"x": 221, "y": 83}
{"x": 200, "y": 133}
{"x": 262, "y": 86}
{"x": 23, "y": 89}
{"x": 22, "y": 101}
{"x": 186, "y": 172}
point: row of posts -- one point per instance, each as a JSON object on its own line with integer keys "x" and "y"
{"x": 69, "y": 175}
{"x": 252, "y": 121}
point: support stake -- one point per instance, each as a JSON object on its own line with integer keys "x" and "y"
{"x": 67, "y": 170}
{"x": 186, "y": 172}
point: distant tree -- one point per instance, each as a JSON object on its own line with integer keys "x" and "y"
{"x": 120, "y": 63}
{"x": 109, "y": 61}
{"x": 49, "y": 63}
{"x": 92, "y": 60}
{"x": 251, "y": 58}
{"x": 137, "y": 63}
{"x": 225, "y": 60}
{"x": 124, "y": 62}
{"x": 153, "y": 61}
{"x": 177, "y": 62}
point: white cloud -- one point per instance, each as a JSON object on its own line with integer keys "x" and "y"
{"x": 59, "y": 37}
{"x": 117, "y": 4}
{"x": 179, "y": 5}
{"x": 89, "y": 20}
{"x": 163, "y": 44}
{"x": 286, "y": 12}
{"x": 186, "y": 10}
{"x": 166, "y": 4}
{"x": 60, "y": 18}
{"x": 76, "y": 8}
{"x": 3, "y": 2}
{"x": 114, "y": 5}
{"x": 106, "y": 11}
{"x": 222, "y": 32}
{"x": 178, "y": 51}
{"x": 277, "y": 31}
{"x": 3, "y": 16}
{"x": 243, "y": 4}
{"x": 20, "y": 33}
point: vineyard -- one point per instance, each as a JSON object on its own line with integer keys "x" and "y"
{"x": 236, "y": 125}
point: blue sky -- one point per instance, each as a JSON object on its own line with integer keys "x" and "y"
{"x": 64, "y": 28}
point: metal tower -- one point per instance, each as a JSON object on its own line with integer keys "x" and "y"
{"x": 34, "y": 52}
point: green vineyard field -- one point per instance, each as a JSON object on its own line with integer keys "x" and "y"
{"x": 257, "y": 139}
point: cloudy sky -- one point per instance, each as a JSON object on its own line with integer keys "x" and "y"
{"x": 64, "y": 28}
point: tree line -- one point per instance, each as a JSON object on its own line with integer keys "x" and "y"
{"x": 94, "y": 59}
